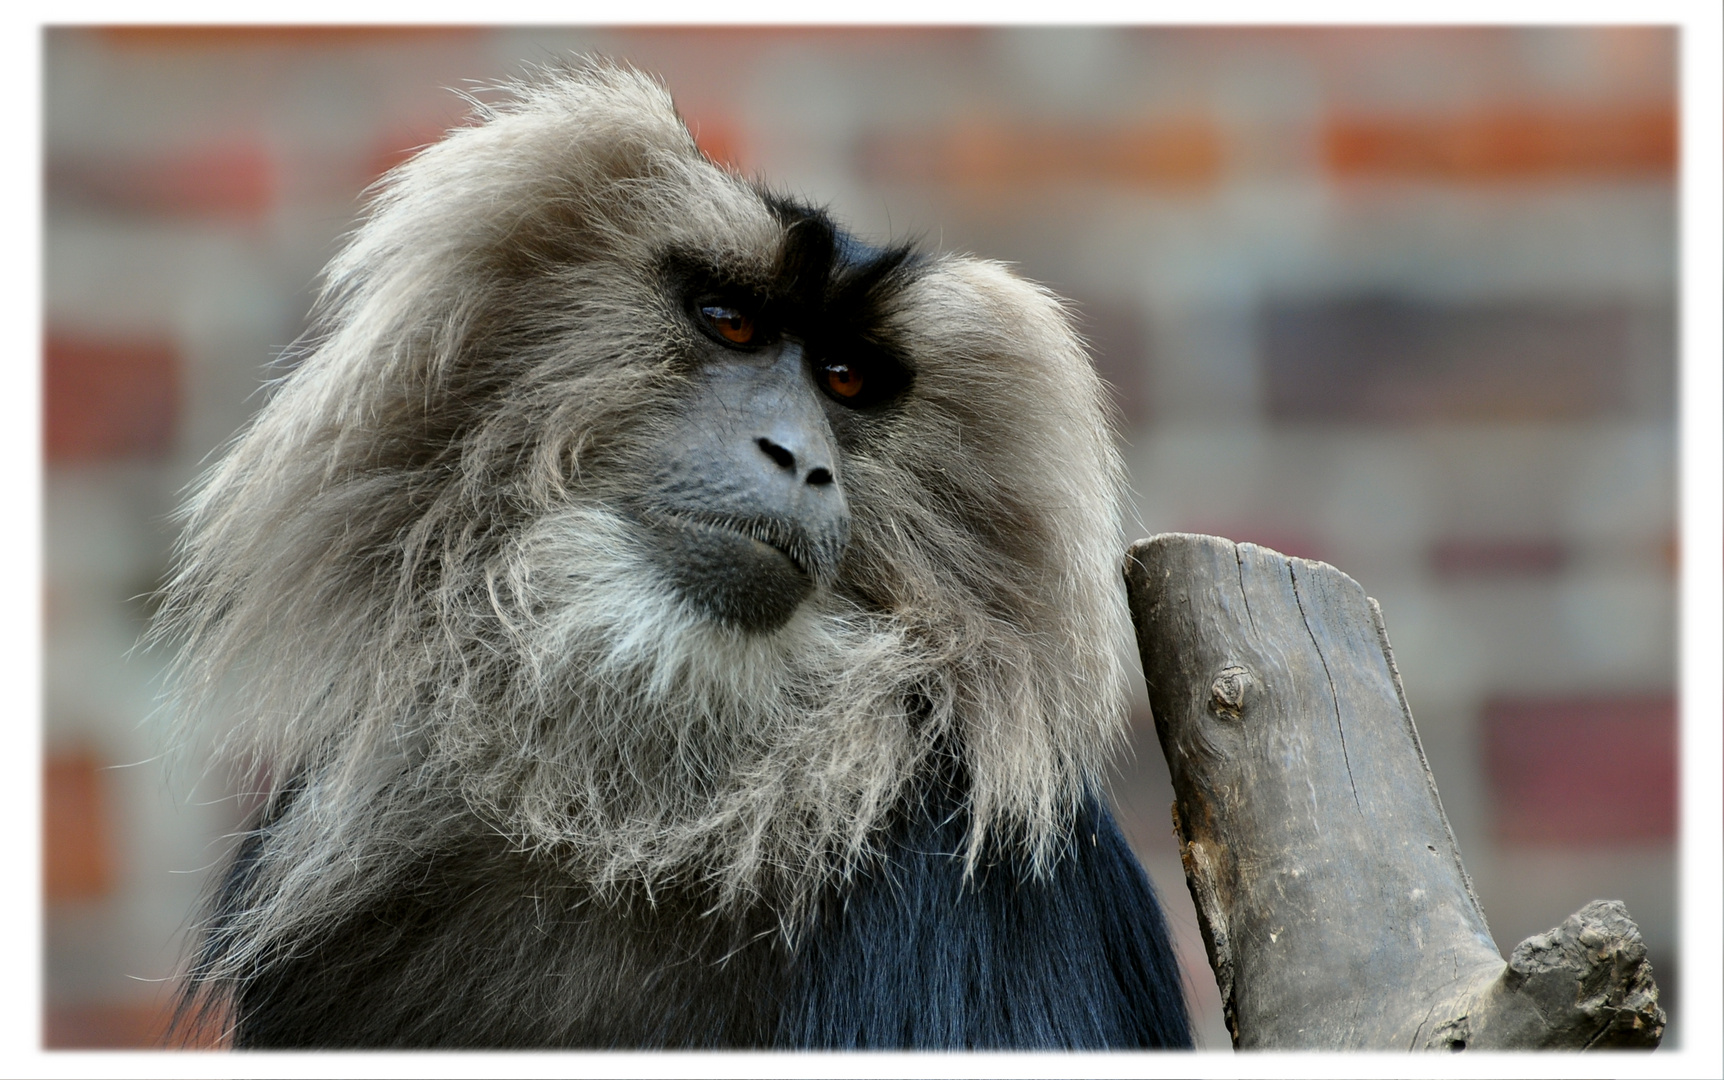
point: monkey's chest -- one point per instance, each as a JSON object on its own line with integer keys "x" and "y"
{"x": 912, "y": 954}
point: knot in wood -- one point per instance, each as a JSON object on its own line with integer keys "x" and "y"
{"x": 1228, "y": 693}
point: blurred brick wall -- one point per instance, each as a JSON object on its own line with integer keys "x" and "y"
{"x": 1398, "y": 299}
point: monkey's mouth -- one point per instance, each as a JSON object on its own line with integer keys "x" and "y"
{"x": 766, "y": 535}
{"x": 751, "y": 573}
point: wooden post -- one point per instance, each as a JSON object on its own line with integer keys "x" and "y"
{"x": 1332, "y": 898}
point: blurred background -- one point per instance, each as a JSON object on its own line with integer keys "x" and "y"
{"x": 1401, "y": 300}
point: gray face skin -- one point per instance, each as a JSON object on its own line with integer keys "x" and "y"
{"x": 747, "y": 497}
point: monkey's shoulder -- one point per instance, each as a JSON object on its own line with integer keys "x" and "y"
{"x": 921, "y": 954}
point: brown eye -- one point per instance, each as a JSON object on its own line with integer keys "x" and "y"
{"x": 731, "y": 324}
{"x": 843, "y": 380}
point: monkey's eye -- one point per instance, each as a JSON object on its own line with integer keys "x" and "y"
{"x": 842, "y": 379}
{"x": 729, "y": 323}
{"x": 861, "y": 379}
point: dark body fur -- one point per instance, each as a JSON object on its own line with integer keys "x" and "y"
{"x": 911, "y": 955}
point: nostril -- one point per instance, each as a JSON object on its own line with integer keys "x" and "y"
{"x": 819, "y": 477}
{"x": 784, "y": 458}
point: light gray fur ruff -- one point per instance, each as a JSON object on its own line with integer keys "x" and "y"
{"x": 406, "y": 589}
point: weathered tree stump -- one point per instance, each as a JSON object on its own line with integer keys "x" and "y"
{"x": 1332, "y": 898}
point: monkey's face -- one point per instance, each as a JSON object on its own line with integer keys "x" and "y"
{"x": 784, "y": 373}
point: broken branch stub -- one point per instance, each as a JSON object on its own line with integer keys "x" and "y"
{"x": 1331, "y": 894}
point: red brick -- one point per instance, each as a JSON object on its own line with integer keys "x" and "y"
{"x": 1509, "y": 143}
{"x": 109, "y": 398}
{"x": 76, "y": 848}
{"x": 1378, "y": 358}
{"x": 401, "y": 145}
{"x": 122, "y": 1026}
{"x": 273, "y": 37}
{"x": 1177, "y": 155}
{"x": 1582, "y": 771}
{"x": 1486, "y": 557}
{"x": 235, "y": 181}
{"x": 719, "y": 138}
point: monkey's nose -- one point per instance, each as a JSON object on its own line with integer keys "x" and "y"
{"x": 785, "y": 459}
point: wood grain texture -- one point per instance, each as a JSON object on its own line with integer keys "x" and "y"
{"x": 1331, "y": 893}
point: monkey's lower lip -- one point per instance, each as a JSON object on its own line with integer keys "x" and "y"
{"x": 728, "y": 534}
{"x": 736, "y": 577}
